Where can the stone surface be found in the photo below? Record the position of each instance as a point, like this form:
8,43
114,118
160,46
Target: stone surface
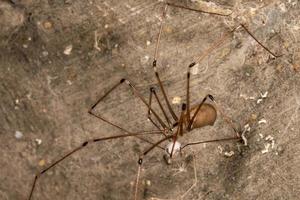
46,94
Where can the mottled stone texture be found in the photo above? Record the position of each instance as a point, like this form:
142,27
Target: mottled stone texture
46,94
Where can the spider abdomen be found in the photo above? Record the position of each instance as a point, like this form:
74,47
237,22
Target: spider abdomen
206,116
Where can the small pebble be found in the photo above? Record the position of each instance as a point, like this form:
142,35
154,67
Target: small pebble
148,182
42,162
145,59
47,25
266,150
148,42
229,154
68,49
45,53
69,82
259,101
253,117
176,100
38,141
264,95
18,134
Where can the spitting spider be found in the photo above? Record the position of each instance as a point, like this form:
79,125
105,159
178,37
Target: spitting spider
170,125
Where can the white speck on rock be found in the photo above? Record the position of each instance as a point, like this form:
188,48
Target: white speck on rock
68,49
262,121
282,7
229,154
45,53
176,100
38,141
145,59
272,140
266,150
195,69
264,95
259,101
148,182
220,149
247,127
69,82
18,134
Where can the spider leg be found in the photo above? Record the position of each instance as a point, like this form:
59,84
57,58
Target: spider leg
260,43
227,119
140,162
149,112
226,35
92,112
153,92
188,93
155,68
179,128
84,144
210,141
197,10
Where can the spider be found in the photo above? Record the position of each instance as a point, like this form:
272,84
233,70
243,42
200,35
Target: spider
171,125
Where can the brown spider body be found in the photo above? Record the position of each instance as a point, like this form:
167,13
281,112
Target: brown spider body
206,116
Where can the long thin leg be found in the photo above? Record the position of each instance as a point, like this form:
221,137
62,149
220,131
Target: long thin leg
188,92
91,111
152,91
196,10
223,39
137,93
263,46
155,68
84,144
209,141
227,119
215,45
179,128
140,162
149,112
